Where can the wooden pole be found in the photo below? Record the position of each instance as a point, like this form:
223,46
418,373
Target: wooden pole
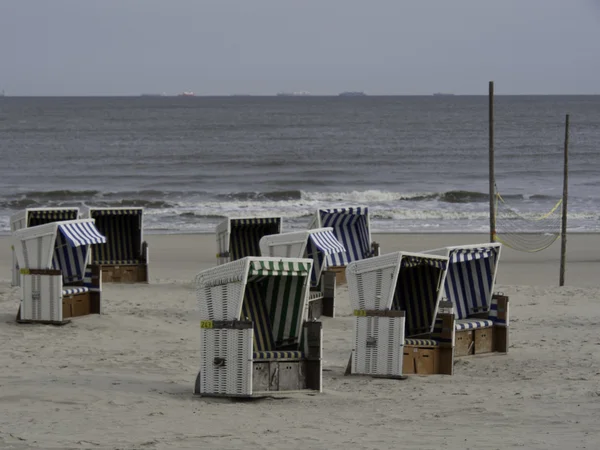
563,233
491,156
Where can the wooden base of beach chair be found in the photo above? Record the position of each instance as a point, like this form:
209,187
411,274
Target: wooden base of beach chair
481,340
41,322
501,339
129,273
278,376
340,274
81,304
426,360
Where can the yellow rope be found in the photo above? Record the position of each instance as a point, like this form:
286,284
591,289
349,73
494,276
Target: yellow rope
545,216
496,238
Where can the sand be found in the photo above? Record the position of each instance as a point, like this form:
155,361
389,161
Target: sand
123,380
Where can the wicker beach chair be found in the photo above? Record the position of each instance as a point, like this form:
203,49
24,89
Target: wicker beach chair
482,317
240,237
351,226
400,326
56,283
315,244
254,339
32,217
124,258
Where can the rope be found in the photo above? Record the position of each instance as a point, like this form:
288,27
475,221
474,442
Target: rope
528,233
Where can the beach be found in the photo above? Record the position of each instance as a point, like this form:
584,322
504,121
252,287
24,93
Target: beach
123,379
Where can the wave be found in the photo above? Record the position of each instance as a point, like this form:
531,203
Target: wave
227,202
62,194
263,196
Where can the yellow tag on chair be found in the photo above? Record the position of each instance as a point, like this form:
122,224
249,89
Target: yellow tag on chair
206,324
24,271
360,313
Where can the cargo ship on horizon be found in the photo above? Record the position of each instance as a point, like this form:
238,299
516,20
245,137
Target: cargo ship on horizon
352,94
293,94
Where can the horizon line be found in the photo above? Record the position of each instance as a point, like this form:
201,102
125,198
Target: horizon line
151,95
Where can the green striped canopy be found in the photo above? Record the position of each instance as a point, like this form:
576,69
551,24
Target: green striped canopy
278,268
280,288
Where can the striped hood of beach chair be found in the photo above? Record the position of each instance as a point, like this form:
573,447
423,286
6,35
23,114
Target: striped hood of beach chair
70,249
320,245
274,299
35,218
416,292
470,280
246,234
350,227
123,231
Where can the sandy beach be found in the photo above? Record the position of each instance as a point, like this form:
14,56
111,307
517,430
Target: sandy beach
123,380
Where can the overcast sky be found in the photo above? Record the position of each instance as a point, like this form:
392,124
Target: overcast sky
121,47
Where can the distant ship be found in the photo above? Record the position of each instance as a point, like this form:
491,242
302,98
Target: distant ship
442,94
293,94
352,94
187,94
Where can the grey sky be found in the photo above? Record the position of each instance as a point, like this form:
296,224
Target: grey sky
120,47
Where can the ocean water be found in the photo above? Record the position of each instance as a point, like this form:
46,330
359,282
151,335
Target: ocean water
419,163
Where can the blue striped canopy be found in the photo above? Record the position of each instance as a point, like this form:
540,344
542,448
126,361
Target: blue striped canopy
71,249
327,242
350,227
470,279
321,244
81,233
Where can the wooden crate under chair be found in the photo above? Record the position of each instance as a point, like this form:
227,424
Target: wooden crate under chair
432,354
487,339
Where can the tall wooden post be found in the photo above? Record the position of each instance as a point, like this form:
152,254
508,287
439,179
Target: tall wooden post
563,233
491,156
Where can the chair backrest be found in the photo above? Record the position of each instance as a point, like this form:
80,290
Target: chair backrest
417,292
470,280
254,308
71,261
123,230
41,216
246,234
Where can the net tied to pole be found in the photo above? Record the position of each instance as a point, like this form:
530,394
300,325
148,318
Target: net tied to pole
526,232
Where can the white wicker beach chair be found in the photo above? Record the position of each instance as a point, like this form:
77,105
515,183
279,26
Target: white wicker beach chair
482,317
240,237
396,303
351,226
125,256
56,283
315,244
31,217
254,339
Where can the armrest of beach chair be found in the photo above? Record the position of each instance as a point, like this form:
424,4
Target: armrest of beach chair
144,255
375,249
312,347
499,315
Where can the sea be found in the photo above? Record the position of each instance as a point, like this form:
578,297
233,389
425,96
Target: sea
420,163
